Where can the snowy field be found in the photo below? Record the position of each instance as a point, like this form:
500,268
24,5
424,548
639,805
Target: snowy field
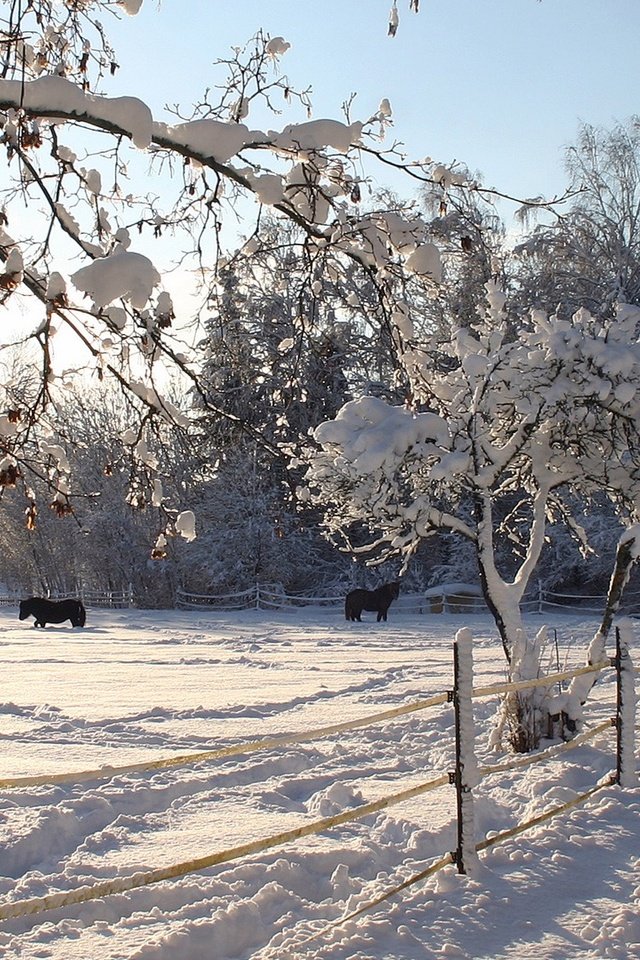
138,686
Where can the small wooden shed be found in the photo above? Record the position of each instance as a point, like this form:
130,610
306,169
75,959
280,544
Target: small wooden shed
455,598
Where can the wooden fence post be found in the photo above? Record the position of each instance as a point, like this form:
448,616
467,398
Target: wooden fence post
626,775
465,775
540,597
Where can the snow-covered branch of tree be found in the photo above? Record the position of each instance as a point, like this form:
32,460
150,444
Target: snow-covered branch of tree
310,180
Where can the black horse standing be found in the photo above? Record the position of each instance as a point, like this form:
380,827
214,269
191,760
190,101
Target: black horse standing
375,601
53,611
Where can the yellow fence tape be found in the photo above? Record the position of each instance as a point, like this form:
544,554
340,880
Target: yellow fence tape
450,859
549,753
547,815
52,901
20,908
547,681
429,871
206,756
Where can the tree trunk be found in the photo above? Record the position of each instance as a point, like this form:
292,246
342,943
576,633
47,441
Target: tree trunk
523,717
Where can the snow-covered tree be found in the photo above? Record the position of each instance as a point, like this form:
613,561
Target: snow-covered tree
249,534
590,255
85,262
274,352
87,238
105,544
510,428
276,355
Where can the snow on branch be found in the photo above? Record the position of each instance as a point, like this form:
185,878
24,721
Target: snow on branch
56,97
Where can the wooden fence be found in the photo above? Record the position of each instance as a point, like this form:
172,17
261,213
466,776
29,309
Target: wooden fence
465,777
91,598
272,597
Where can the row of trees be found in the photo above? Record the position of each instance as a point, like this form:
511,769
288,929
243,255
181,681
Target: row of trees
277,383
389,368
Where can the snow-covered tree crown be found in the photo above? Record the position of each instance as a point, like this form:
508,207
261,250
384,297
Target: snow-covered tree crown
501,415
91,247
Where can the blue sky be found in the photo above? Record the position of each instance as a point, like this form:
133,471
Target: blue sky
499,84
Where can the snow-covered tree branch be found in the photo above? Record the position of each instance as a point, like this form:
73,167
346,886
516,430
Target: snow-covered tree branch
95,249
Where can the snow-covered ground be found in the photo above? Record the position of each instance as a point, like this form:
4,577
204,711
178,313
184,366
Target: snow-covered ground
137,686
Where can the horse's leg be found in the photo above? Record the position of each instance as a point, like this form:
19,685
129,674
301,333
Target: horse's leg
352,611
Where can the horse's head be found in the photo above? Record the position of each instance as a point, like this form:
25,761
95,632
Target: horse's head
25,609
394,590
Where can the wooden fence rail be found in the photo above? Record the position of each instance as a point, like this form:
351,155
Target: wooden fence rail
265,597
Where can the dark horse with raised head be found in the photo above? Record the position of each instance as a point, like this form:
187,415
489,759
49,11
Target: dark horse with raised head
375,601
53,611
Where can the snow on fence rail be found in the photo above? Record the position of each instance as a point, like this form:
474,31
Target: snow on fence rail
263,597
260,597
466,776
100,598
542,601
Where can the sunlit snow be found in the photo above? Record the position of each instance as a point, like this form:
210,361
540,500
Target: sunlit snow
138,686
